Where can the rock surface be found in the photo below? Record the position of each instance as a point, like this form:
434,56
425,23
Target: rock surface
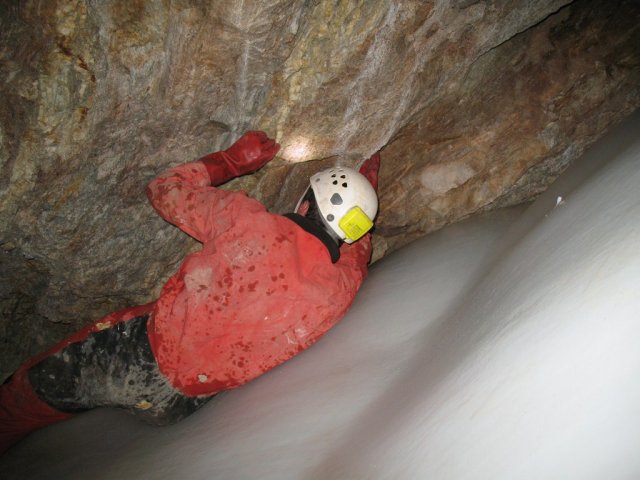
475,105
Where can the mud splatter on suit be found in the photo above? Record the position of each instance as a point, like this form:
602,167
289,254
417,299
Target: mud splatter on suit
261,290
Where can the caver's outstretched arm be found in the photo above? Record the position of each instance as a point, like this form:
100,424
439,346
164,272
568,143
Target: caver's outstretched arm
185,195
370,169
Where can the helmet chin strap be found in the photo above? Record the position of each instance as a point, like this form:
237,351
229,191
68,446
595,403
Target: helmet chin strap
321,222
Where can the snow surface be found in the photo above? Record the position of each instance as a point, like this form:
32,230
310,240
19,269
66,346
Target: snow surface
505,347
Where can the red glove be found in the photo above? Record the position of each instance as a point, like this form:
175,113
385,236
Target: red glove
250,152
370,170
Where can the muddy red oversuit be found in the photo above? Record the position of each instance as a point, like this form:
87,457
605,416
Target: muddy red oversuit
261,290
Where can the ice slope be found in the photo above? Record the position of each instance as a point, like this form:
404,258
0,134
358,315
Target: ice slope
506,347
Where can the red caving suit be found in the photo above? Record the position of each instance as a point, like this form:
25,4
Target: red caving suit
259,291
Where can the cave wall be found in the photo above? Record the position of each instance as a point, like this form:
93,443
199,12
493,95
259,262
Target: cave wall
475,105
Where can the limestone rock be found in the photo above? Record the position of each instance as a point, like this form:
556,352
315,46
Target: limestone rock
474,104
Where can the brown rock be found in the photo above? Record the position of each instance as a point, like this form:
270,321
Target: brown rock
475,105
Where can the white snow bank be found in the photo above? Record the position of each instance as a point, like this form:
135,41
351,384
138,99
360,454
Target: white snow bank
506,347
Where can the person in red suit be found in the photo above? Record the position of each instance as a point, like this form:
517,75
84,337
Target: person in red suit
263,288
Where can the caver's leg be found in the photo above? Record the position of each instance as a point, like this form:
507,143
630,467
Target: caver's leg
112,368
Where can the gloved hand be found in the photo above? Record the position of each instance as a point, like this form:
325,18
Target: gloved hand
252,151
370,170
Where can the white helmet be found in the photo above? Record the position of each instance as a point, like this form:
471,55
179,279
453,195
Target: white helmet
346,200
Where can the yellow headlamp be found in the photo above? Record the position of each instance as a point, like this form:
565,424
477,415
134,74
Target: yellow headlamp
355,223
